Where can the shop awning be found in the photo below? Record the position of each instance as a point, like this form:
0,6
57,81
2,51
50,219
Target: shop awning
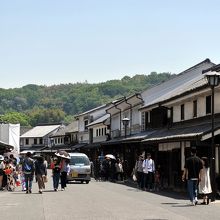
5,146
129,139
190,132
78,146
33,150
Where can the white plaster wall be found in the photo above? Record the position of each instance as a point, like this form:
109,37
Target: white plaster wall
169,146
31,142
188,108
115,123
176,113
85,138
98,113
99,127
99,139
136,116
81,124
217,102
201,107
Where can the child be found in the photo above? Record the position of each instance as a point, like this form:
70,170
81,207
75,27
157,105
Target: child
23,183
157,180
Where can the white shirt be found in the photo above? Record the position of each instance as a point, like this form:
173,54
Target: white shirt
148,166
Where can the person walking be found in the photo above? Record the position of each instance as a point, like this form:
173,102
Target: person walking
105,169
28,171
97,169
148,169
4,178
192,173
55,166
9,171
157,183
40,173
205,183
119,170
13,159
65,169
139,172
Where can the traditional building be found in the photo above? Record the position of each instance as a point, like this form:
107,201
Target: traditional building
37,138
179,113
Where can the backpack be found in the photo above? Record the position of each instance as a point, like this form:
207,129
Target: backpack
27,167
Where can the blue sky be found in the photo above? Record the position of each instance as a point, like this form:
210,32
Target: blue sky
48,42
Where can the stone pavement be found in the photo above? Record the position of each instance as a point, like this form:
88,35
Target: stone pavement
101,200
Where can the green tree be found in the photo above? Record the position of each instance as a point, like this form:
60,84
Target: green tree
39,116
54,103
16,118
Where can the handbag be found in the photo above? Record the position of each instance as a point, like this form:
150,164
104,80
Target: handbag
18,183
45,179
134,177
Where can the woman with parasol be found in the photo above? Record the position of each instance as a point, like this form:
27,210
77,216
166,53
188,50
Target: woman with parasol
64,167
56,167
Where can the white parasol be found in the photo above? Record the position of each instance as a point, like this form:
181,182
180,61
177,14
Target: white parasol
110,156
63,154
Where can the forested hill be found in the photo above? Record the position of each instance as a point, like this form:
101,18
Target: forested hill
34,104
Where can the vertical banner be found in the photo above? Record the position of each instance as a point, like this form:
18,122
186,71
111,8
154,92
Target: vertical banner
10,134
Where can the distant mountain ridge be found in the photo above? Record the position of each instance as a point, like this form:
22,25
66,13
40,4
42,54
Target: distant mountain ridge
71,99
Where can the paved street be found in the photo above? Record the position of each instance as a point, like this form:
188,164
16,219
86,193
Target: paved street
100,200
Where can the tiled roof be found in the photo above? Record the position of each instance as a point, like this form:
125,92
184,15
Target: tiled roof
177,85
202,81
33,149
214,68
133,138
40,131
100,107
99,120
60,132
4,145
177,133
72,127
91,110
24,129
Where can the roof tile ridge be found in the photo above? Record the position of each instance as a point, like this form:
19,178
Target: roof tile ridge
207,60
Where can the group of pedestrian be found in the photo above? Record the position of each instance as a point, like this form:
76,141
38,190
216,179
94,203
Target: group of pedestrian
146,174
108,169
60,169
197,174
8,173
31,167
12,173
